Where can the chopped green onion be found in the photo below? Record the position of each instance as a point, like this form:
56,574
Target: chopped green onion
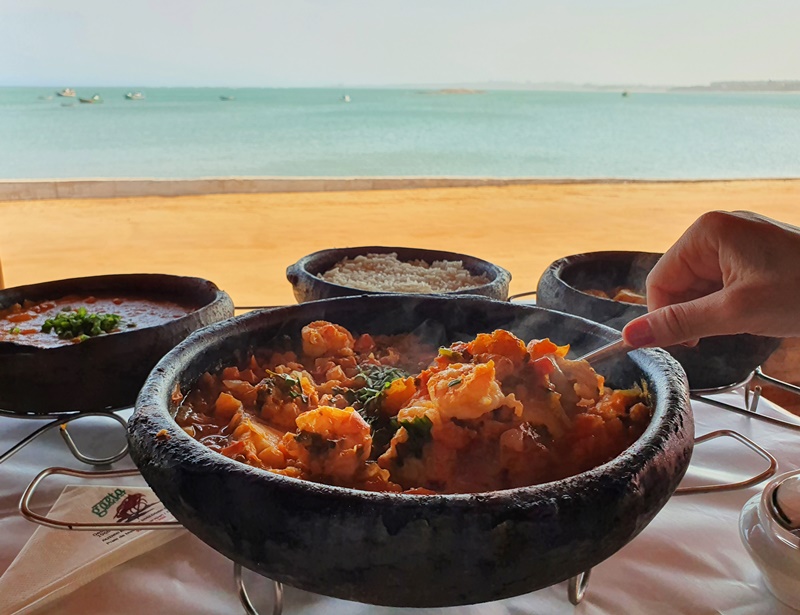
81,324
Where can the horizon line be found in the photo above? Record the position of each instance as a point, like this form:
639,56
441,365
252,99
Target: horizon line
499,84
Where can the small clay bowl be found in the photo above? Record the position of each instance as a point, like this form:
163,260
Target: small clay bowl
308,286
105,371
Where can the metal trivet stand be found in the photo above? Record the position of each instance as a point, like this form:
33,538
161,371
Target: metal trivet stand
26,511
576,586
62,420
752,397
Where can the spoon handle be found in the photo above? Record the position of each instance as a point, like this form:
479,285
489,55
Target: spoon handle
606,351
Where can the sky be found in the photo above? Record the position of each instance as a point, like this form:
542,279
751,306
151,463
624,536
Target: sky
307,43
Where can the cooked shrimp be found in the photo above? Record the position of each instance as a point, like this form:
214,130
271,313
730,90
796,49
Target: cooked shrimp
466,390
261,441
502,343
322,338
332,444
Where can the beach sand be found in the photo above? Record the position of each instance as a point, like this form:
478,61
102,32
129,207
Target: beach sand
244,242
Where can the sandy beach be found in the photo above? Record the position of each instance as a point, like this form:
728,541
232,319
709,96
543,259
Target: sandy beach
244,242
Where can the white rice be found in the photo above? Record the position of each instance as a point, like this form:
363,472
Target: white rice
385,273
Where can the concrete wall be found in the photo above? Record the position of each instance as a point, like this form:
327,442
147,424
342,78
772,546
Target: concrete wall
19,190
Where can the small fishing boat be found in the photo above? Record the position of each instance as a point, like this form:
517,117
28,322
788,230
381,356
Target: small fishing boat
134,96
226,98
67,92
94,99
625,94
346,98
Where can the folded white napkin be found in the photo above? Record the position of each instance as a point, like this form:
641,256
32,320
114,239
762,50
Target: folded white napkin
55,562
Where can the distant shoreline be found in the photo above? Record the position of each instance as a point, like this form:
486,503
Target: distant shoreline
103,188
743,86
764,86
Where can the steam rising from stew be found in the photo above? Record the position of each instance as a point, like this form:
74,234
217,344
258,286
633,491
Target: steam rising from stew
384,413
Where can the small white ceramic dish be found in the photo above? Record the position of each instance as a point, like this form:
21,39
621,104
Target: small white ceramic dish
769,526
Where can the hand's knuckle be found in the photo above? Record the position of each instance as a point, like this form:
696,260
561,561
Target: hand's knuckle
714,219
677,322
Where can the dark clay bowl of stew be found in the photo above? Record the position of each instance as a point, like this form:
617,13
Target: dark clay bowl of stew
308,285
601,285
401,549
87,344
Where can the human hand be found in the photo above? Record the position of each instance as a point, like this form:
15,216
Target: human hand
730,272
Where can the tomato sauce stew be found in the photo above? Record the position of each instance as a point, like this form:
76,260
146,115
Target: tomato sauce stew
73,319
394,414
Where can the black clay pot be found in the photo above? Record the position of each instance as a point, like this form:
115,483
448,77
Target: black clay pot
308,287
406,550
106,371
715,362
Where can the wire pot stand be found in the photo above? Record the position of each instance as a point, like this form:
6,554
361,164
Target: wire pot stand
62,420
576,586
752,396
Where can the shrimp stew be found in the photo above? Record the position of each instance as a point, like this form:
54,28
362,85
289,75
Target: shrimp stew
389,414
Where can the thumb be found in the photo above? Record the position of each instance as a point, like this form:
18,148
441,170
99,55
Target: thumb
678,323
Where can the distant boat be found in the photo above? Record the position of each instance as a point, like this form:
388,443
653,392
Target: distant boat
68,92
94,99
134,96
625,94
227,98
346,98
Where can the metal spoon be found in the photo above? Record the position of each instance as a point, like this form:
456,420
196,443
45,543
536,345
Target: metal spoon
608,350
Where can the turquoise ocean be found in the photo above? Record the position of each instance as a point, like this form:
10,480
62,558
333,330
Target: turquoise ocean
192,132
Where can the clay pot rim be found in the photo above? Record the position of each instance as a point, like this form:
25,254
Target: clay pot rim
153,406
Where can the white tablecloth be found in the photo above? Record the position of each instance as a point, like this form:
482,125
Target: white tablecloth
689,560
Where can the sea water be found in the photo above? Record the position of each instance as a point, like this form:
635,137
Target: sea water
192,132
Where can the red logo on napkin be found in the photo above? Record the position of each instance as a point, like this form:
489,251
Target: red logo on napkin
132,507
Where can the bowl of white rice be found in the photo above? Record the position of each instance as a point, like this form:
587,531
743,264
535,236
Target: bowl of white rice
371,270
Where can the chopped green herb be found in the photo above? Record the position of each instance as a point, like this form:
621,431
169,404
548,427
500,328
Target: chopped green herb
81,324
289,385
15,331
419,433
367,402
454,383
377,379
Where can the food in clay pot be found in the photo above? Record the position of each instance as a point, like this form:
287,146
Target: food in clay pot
384,546
390,413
